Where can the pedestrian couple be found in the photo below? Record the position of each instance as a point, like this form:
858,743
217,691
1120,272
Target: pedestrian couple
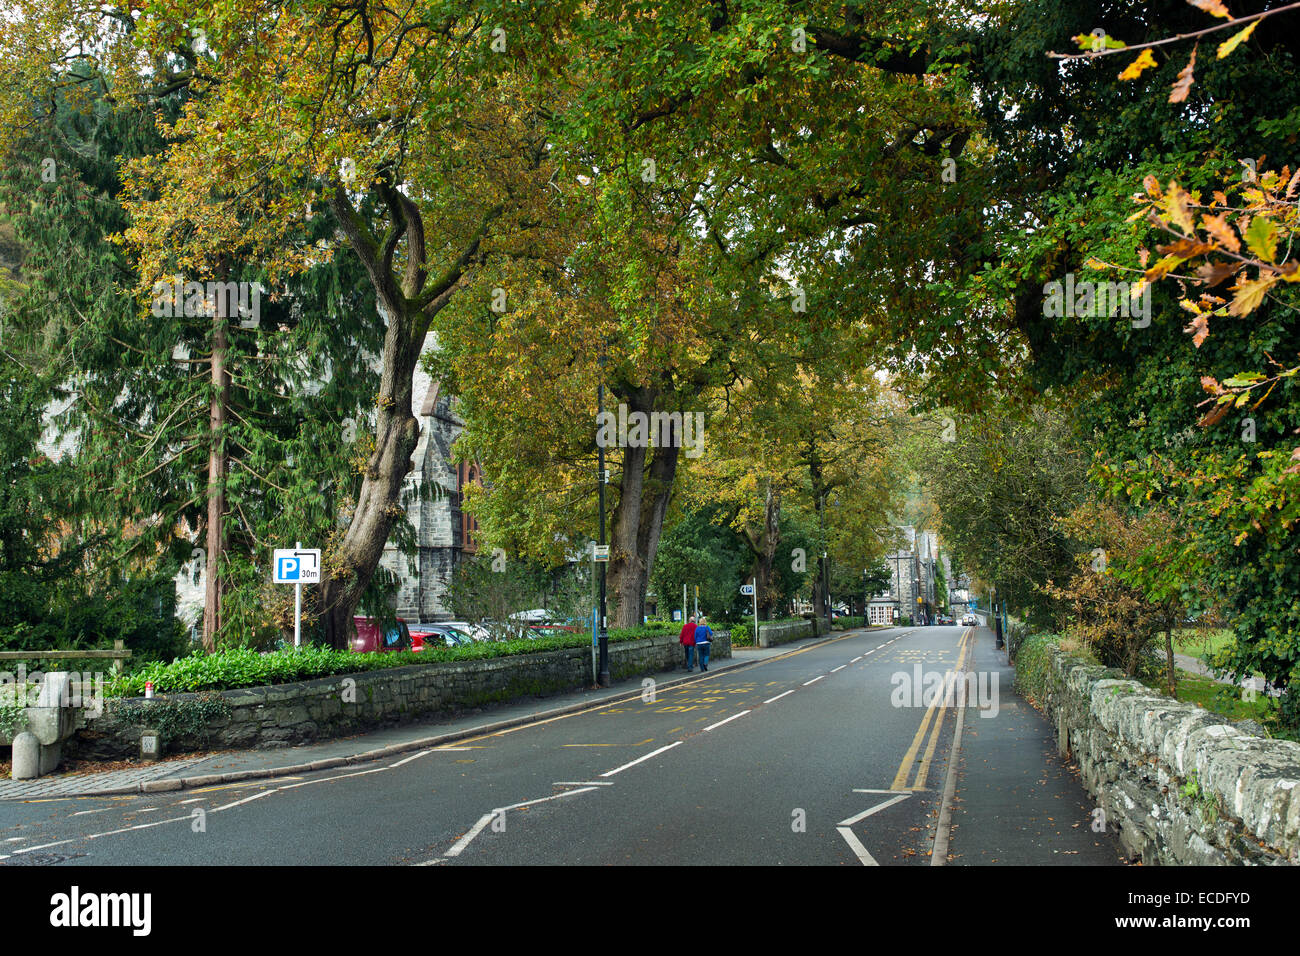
697,638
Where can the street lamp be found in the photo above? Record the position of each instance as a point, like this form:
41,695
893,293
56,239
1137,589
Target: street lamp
602,632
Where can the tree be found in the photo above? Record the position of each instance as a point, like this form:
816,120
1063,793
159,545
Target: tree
1001,485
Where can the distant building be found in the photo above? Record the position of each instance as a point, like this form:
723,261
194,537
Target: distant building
913,569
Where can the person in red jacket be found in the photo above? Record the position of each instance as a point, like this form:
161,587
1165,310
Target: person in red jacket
688,643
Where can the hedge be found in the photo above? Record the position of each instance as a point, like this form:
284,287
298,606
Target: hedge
240,667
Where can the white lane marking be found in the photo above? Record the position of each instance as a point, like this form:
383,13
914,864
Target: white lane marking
256,796
583,783
20,839
554,796
856,659
191,800
878,791
860,851
434,862
457,748
840,668
653,753
474,831
877,808
813,681
406,760
779,696
82,813
95,836
338,776
459,847
147,810
721,722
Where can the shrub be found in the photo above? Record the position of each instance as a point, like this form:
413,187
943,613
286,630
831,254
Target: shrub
242,667
1032,665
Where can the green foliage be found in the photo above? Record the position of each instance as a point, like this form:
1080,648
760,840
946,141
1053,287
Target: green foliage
12,716
176,719
701,550
1033,665
239,667
1003,483
489,588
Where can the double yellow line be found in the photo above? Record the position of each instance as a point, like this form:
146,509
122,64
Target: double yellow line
923,769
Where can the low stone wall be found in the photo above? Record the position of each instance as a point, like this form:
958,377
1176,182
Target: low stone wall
769,635
288,714
1179,784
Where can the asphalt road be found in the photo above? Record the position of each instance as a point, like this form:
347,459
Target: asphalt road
814,757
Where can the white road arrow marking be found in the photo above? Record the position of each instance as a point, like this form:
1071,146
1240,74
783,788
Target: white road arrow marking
844,826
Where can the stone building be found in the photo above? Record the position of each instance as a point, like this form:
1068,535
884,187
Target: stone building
434,494
912,572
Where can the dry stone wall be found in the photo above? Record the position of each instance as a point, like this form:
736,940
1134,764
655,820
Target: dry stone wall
1179,784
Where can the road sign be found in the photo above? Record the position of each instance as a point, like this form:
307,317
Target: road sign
297,566
747,589
600,552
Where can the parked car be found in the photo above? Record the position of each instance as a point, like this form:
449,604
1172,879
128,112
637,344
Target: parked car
969,621
440,635
397,637
476,631
547,630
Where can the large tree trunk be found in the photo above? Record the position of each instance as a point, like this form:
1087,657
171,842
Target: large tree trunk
638,520
771,538
216,532
763,546
408,302
352,565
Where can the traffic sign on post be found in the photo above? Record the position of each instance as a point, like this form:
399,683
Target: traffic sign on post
297,565
747,589
600,552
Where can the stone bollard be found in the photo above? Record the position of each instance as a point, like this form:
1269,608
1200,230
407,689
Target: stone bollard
26,757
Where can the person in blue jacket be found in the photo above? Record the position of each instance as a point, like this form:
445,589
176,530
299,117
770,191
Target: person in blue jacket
703,641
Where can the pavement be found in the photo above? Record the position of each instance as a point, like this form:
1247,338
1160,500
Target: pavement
232,766
1019,803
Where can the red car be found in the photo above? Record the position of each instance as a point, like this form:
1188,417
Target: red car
397,638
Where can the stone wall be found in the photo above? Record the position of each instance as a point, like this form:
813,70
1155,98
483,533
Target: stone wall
288,714
1179,784
769,635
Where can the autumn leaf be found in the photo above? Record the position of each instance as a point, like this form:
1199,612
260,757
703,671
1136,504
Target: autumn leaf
1210,385
1152,186
1212,273
1217,226
1227,46
1185,80
1178,209
1215,415
1213,7
1144,61
1200,327
1250,294
1261,237
1185,248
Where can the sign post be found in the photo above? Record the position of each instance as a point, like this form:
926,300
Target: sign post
752,589
297,566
